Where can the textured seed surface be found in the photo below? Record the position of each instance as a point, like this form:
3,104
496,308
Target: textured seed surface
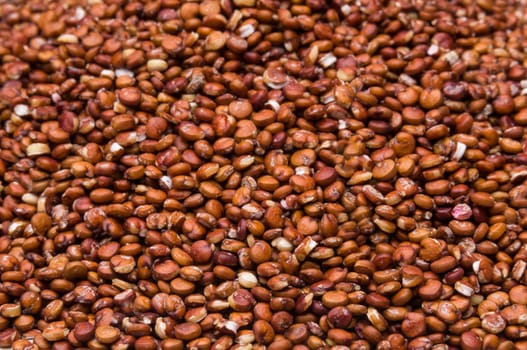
244,174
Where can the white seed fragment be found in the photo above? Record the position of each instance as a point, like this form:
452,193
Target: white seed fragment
488,109
16,227
459,151
475,266
67,39
21,110
463,288
79,13
302,170
275,106
30,198
158,65
160,328
246,30
432,50
345,9
345,74
55,97
122,71
514,89
282,244
327,60
451,57
115,147
108,73
407,80
328,97
247,279
304,248
166,182
37,149
246,339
